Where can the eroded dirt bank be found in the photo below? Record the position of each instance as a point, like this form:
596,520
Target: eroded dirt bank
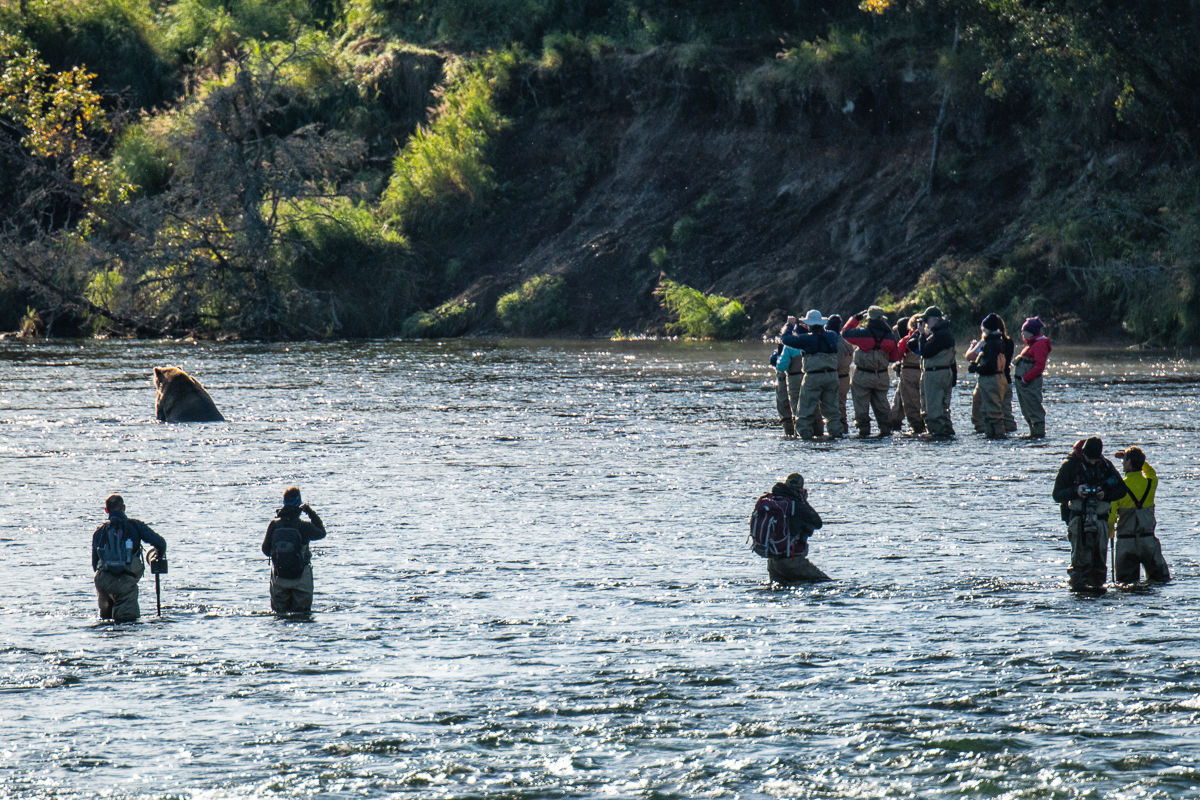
787,207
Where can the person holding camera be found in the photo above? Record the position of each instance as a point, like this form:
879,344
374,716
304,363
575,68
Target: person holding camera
939,372
1086,486
1136,544
818,350
907,403
780,528
876,348
987,359
286,544
117,561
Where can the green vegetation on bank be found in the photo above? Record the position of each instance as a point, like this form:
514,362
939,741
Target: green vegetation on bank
295,168
702,316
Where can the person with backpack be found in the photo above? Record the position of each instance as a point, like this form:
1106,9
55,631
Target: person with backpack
118,563
286,544
780,527
1085,487
877,347
1136,544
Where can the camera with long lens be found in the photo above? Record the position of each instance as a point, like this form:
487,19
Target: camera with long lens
158,566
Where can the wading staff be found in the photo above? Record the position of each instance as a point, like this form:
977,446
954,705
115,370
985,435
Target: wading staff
158,566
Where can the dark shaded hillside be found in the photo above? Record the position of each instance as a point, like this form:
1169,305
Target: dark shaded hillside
808,211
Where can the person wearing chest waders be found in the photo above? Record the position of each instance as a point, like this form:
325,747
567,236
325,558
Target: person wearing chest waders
987,359
939,373
1085,487
907,404
1028,368
780,527
845,359
818,349
789,373
1136,544
286,544
117,561
876,347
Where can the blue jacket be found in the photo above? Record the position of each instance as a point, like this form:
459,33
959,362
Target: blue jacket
811,342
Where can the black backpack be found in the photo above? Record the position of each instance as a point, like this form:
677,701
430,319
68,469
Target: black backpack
288,553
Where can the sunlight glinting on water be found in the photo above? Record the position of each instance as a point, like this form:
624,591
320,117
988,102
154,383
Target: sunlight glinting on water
536,584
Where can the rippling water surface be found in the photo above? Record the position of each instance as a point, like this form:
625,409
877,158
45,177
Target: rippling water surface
536,584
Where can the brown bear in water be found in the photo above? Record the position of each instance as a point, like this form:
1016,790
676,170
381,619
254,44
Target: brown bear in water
181,398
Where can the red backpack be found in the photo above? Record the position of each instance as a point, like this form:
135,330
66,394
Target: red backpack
769,534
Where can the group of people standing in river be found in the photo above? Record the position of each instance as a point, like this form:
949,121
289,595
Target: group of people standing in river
820,361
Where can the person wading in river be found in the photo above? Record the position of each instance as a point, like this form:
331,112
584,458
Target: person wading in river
846,353
1085,487
286,544
907,404
876,347
780,527
939,372
987,360
1136,544
818,390
1029,366
117,561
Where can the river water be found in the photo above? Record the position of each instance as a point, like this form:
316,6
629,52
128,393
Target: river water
536,584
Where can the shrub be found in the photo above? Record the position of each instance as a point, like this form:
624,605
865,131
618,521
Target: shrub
535,308
444,322
685,228
442,175
702,316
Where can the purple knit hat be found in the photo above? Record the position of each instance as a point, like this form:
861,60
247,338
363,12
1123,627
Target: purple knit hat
1032,326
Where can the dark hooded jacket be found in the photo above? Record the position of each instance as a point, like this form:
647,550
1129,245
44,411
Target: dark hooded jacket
940,337
804,519
1076,472
289,517
134,529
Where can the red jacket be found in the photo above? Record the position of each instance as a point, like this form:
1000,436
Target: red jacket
864,339
1039,351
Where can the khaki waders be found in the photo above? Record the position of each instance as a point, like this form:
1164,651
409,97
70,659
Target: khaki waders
117,595
818,396
1029,396
907,401
1138,547
937,384
987,405
292,595
869,383
798,569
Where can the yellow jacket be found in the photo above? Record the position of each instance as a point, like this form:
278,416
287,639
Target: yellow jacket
1136,483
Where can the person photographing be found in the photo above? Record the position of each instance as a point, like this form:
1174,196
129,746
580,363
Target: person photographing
1086,486
286,544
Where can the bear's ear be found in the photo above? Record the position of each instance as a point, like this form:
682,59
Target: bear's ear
158,372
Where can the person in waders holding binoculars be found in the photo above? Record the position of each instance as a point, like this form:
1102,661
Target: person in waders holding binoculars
1086,486
117,561
286,544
